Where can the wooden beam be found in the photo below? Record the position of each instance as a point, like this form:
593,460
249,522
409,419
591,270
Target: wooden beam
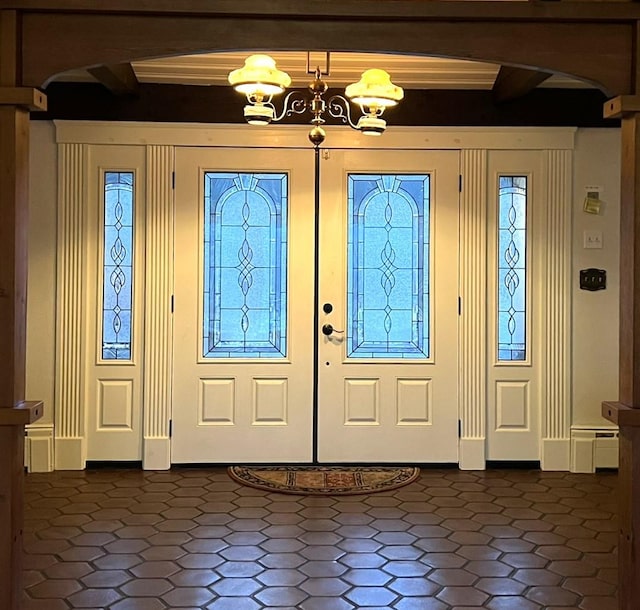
24,413
23,97
630,265
628,517
54,43
12,515
120,79
620,106
8,48
434,9
512,83
625,411
219,104
620,414
14,203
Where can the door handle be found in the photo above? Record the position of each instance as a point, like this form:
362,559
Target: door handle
328,329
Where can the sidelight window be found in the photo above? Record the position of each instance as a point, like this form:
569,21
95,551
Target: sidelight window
117,265
512,268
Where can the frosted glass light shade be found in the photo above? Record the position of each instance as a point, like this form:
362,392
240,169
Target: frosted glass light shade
375,89
259,76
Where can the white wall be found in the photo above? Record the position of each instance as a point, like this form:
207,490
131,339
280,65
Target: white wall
41,293
41,290
595,314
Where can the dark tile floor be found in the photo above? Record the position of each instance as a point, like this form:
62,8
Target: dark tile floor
193,538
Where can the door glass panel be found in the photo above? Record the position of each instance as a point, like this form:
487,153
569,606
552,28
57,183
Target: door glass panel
117,265
512,268
388,266
245,265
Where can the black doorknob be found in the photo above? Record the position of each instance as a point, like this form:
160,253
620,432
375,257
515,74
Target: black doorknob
328,329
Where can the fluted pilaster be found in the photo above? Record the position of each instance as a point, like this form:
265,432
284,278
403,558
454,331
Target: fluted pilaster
158,290
69,389
557,327
473,320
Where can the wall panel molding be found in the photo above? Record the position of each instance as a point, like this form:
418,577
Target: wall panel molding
473,320
295,136
158,317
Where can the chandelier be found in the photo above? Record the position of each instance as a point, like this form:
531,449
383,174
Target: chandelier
260,80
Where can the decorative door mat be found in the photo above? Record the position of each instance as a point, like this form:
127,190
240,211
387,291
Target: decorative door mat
324,480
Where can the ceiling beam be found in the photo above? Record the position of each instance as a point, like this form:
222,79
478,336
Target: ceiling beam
437,107
512,83
120,79
57,42
612,10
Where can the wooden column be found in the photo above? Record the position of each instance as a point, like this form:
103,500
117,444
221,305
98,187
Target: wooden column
12,423
15,103
626,411
14,415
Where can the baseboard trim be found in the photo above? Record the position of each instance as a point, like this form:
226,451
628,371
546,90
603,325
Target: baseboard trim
556,454
157,454
38,448
514,464
472,454
117,465
69,453
593,448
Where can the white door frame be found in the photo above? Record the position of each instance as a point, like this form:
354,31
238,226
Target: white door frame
74,139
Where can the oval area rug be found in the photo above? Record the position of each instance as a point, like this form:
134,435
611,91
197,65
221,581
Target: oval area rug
324,480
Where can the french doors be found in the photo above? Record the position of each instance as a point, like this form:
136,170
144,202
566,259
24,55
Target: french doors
387,385
256,379
243,306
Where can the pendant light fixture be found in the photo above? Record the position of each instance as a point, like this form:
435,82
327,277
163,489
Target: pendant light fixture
260,80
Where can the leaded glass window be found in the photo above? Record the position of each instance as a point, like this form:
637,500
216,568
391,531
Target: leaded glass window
388,266
245,265
512,268
117,265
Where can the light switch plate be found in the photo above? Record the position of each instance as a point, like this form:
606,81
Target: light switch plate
592,239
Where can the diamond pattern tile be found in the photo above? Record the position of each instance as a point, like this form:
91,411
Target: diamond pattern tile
192,538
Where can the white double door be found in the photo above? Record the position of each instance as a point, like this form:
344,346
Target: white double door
256,377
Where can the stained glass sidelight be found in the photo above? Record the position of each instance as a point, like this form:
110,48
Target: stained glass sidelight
245,265
512,268
388,266
117,265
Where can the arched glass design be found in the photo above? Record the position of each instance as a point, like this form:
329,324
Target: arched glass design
512,268
117,265
245,265
388,309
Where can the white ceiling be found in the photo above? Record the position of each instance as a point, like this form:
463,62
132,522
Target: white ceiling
410,72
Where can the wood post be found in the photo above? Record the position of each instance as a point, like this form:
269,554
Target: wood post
15,103
12,423
14,131
626,411
14,159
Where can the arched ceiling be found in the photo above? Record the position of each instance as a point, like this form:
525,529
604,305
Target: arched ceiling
410,72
